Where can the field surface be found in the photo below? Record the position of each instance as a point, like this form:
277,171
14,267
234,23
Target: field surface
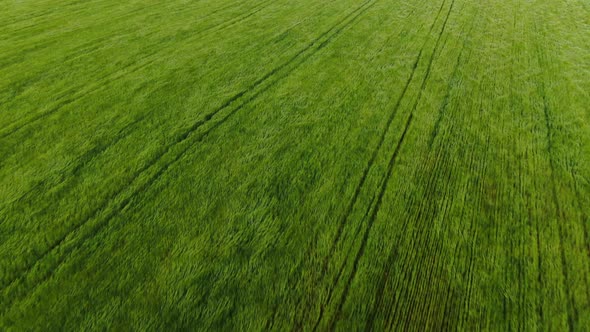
280,164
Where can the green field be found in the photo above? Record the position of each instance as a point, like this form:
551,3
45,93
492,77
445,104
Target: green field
294,164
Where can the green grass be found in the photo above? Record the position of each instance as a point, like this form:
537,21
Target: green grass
275,164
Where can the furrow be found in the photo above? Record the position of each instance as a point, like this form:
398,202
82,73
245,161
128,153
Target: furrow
100,150
377,148
584,222
391,162
559,214
452,80
369,324
120,18
341,270
371,222
394,156
71,175
150,58
539,274
297,60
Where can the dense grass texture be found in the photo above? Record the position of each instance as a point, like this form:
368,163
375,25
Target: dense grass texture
309,165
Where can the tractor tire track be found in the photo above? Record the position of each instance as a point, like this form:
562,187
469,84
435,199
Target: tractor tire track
584,221
358,189
196,125
296,273
376,150
389,172
370,223
67,175
340,272
454,75
430,183
69,178
344,218
40,46
369,324
432,178
241,18
571,312
121,73
112,77
97,151
110,21
313,47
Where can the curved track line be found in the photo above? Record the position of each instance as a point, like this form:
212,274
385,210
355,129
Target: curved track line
388,174
298,59
95,151
371,221
382,283
121,73
367,169
376,150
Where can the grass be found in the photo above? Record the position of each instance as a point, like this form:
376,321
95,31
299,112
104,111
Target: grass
274,164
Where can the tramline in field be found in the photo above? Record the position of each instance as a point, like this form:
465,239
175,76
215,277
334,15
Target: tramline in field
310,165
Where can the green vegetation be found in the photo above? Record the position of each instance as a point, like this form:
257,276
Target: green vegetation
278,164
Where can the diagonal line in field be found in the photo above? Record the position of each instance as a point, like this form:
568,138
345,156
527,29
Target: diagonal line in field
89,155
559,213
376,150
388,175
348,211
121,73
289,66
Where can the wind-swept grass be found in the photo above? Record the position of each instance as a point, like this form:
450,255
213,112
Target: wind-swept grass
273,164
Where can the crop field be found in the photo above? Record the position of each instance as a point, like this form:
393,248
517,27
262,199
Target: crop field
294,165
